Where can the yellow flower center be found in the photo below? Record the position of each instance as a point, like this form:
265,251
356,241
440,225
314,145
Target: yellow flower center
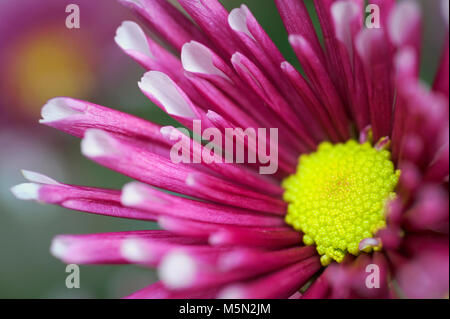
338,197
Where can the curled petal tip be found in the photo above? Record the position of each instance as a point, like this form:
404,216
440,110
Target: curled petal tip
130,37
197,58
38,178
237,20
58,108
97,143
166,93
26,191
367,244
135,193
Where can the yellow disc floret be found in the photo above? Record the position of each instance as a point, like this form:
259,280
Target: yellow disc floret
338,196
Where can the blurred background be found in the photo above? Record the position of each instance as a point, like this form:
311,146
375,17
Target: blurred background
40,58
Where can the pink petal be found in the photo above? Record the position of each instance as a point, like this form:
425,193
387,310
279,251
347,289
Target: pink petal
278,285
157,202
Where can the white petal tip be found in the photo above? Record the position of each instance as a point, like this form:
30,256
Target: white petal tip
97,143
232,292
58,248
133,2
237,20
134,251
166,131
445,10
166,93
190,180
26,191
296,39
197,58
367,243
57,109
177,270
133,194
131,37
216,239
38,178
402,16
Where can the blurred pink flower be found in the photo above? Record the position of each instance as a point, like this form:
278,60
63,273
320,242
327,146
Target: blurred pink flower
229,238
44,58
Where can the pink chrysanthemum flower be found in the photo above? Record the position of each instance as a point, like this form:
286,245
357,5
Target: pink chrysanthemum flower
370,191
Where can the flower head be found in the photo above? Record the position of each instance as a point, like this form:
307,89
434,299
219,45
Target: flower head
362,174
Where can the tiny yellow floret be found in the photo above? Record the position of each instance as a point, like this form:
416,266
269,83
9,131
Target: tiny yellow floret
338,195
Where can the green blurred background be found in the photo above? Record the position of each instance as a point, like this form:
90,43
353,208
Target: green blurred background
107,77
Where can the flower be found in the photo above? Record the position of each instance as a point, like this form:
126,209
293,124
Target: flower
45,58
370,189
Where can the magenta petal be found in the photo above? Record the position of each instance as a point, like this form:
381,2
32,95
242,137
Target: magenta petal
319,289
101,248
86,199
431,210
375,52
297,20
234,172
167,21
75,117
246,259
185,270
316,107
211,16
255,238
152,200
150,252
158,171
441,83
425,276
280,284
254,77
159,291
225,234
405,26
321,83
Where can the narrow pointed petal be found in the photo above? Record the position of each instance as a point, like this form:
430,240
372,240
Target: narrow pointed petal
405,25
166,21
211,16
159,291
150,252
430,212
297,20
441,82
75,117
246,259
103,248
283,236
306,93
150,199
85,199
280,284
150,168
186,271
321,82
254,77
375,52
